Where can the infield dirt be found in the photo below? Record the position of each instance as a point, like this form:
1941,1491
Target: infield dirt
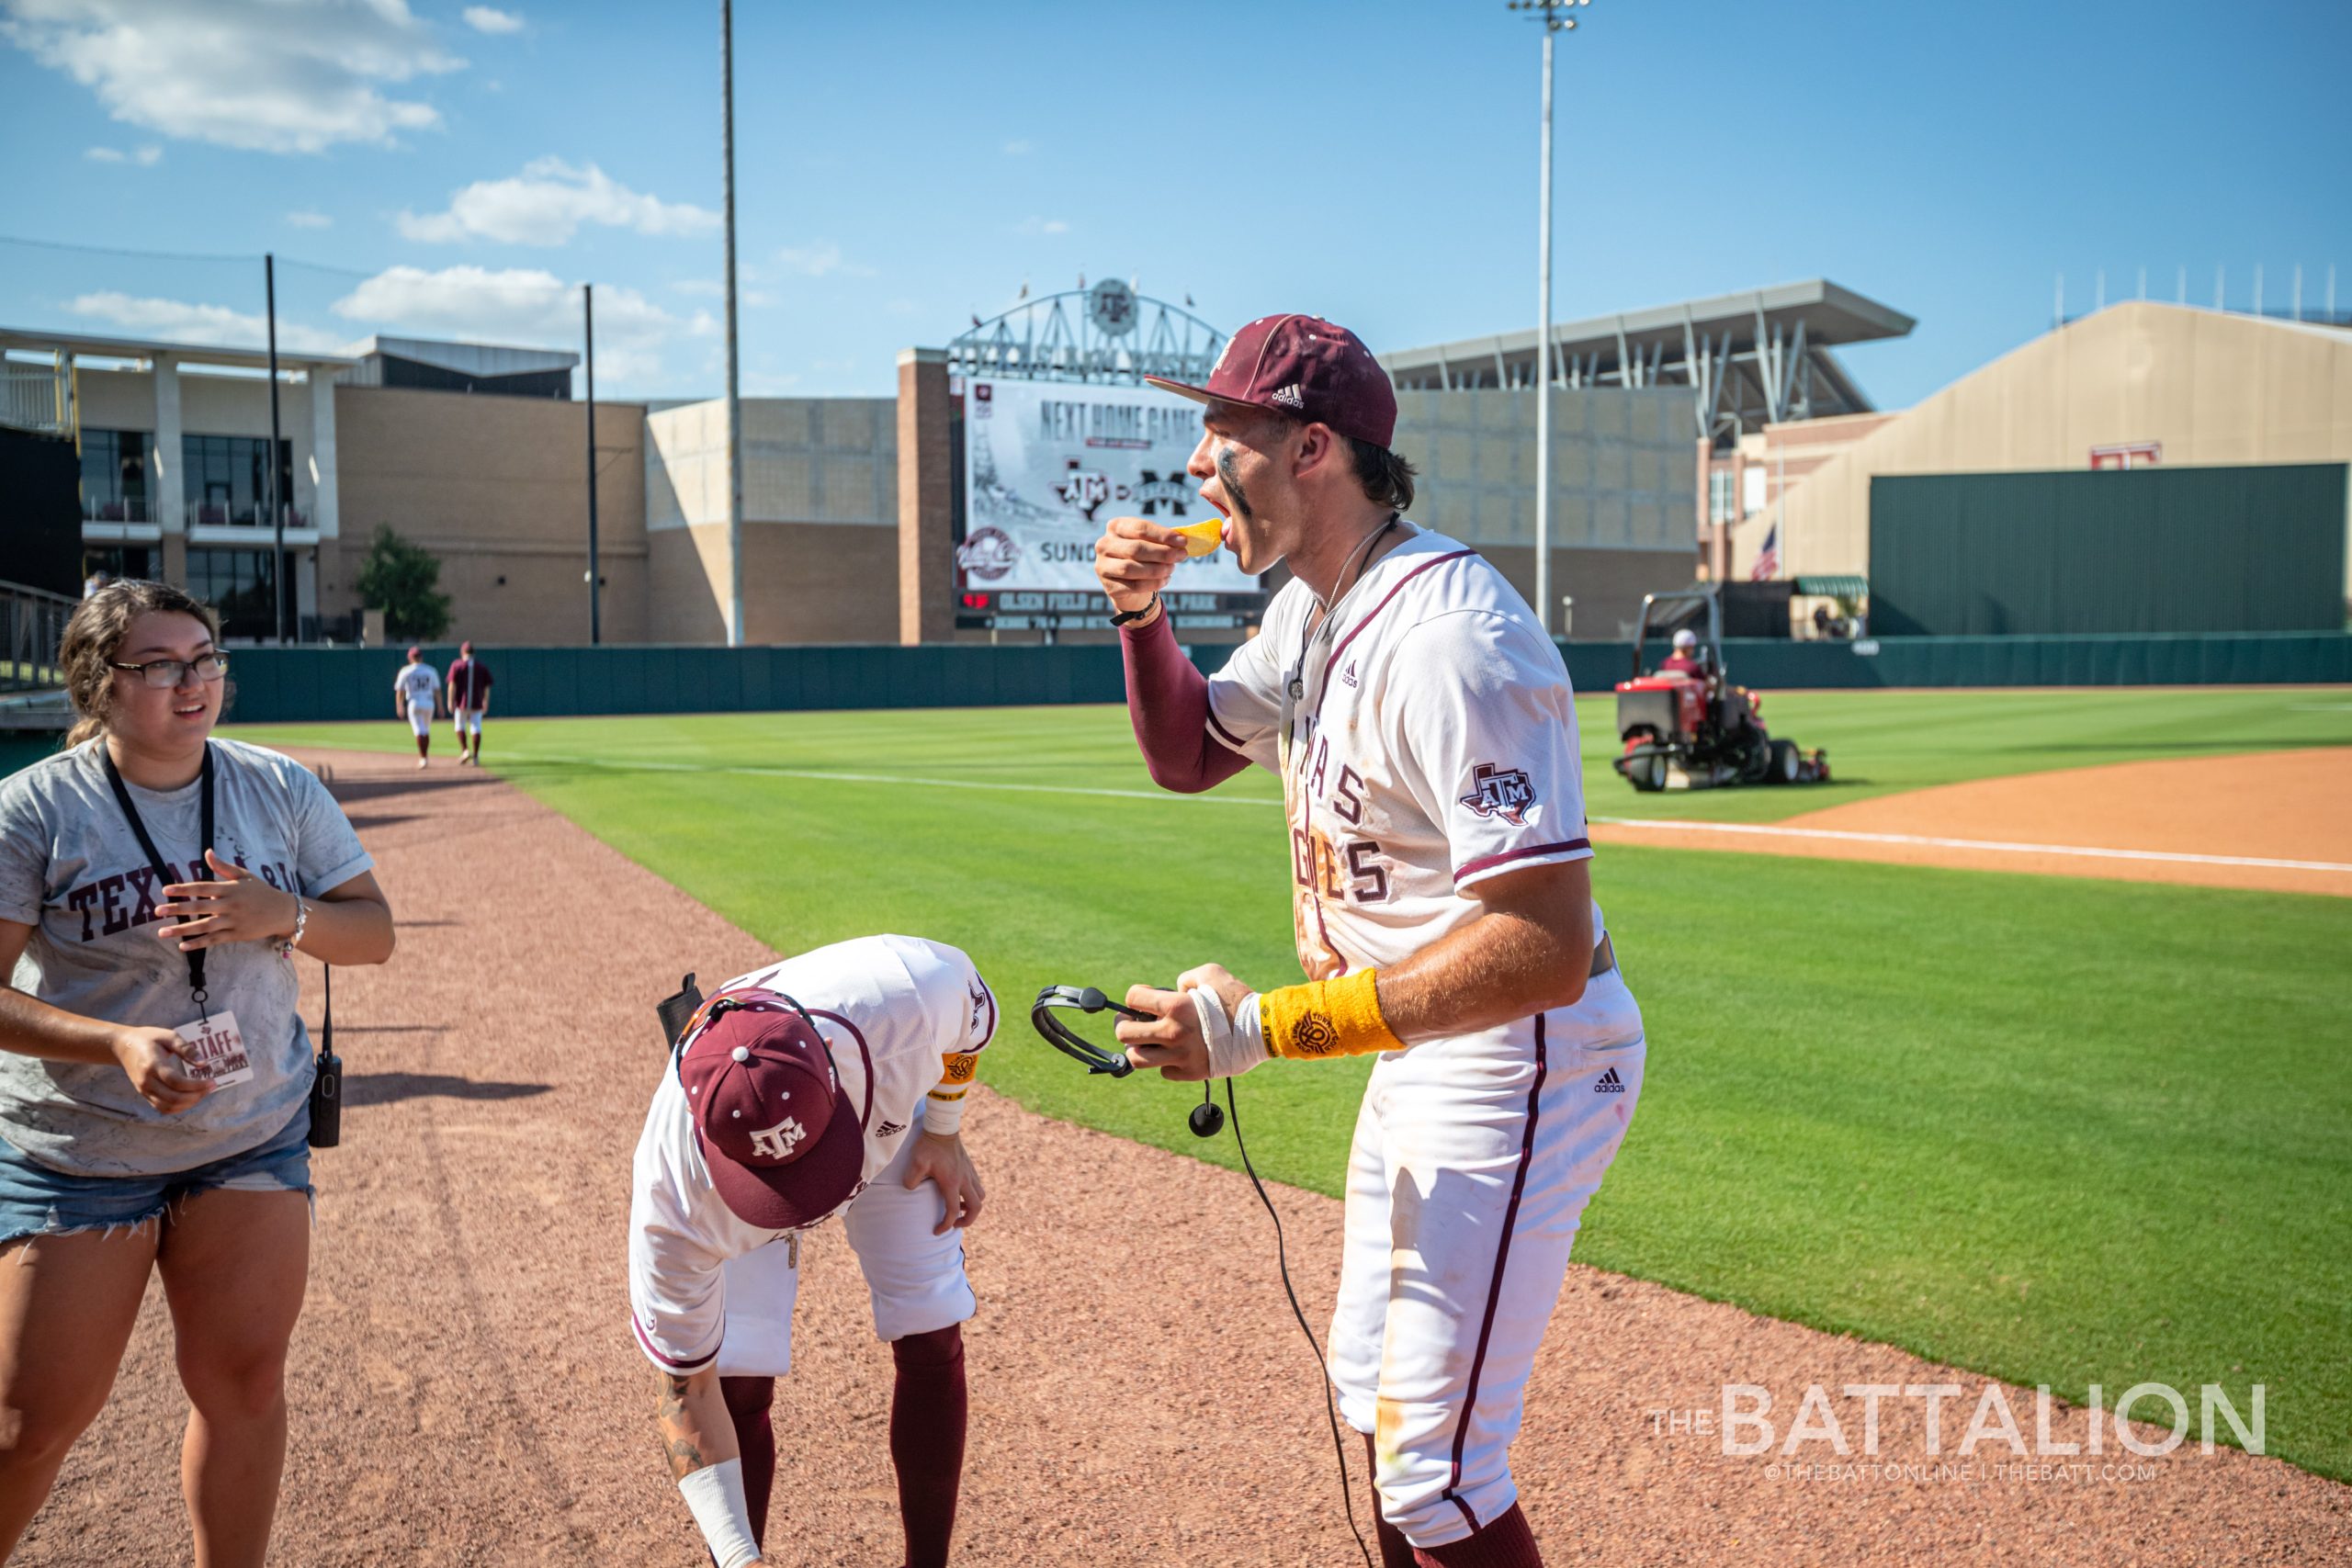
2207,821
465,1389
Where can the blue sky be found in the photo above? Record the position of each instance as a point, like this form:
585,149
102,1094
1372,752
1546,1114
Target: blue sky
902,168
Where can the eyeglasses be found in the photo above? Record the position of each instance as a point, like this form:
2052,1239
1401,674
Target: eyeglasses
162,673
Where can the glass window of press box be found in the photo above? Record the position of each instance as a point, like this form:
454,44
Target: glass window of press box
224,480
114,476
240,584
116,562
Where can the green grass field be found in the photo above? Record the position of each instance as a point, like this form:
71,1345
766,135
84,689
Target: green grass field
2057,1131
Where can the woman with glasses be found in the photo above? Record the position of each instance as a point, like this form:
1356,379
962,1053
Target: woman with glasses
155,884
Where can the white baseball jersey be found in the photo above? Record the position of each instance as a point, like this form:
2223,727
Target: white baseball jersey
891,1009
417,684
1433,744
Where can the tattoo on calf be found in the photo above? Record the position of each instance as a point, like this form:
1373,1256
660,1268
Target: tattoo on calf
682,1451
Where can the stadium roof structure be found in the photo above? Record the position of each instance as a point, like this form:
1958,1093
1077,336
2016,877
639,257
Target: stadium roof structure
86,346
1750,359
1109,333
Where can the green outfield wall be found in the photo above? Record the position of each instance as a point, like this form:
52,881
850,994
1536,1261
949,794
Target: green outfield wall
2142,551
306,684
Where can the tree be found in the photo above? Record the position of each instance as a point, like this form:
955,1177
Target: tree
398,579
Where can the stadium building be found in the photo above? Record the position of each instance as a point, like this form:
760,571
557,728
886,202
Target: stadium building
1721,437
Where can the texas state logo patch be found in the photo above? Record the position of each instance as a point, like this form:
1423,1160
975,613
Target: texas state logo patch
1500,792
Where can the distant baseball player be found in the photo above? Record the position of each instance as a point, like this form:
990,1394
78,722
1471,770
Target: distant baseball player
416,692
468,687
793,1096
1422,726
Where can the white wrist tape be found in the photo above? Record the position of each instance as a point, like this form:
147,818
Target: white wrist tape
1236,1043
714,1496
942,1116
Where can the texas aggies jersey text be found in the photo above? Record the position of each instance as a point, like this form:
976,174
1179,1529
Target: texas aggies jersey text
1432,744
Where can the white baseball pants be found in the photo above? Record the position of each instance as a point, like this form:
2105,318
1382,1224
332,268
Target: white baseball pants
1473,1161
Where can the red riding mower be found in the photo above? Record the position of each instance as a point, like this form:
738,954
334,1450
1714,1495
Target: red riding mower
1688,727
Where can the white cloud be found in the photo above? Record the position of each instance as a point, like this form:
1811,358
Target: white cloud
524,305
145,157
180,321
266,75
307,219
1042,226
1022,148
149,156
114,155
484,20
546,203
819,258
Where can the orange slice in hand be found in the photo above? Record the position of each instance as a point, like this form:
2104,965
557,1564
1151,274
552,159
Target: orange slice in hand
1202,538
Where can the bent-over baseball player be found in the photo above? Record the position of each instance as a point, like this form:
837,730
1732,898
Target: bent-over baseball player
1422,725
793,1096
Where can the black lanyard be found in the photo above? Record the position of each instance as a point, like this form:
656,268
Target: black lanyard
198,872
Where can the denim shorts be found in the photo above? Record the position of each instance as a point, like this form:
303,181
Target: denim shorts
37,1201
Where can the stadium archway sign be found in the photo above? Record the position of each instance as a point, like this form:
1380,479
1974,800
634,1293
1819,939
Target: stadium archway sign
1059,434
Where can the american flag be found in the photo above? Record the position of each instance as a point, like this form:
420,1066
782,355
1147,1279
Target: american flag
1767,559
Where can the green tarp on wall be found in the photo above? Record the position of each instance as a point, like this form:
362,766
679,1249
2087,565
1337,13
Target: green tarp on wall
2145,550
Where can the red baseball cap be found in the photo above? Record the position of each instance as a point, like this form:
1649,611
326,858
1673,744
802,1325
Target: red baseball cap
1306,367
783,1148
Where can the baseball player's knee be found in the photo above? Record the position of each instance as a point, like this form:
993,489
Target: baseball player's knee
747,1397
939,1348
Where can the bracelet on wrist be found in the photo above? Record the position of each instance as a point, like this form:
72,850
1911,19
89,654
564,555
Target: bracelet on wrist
302,923
1136,618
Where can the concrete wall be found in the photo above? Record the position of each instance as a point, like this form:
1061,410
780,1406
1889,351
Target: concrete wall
2215,388
821,479
497,488
1624,489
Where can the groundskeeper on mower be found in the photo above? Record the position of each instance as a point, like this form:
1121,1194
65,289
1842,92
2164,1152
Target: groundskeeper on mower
1685,726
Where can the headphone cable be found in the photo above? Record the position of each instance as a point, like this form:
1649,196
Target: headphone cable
1282,1261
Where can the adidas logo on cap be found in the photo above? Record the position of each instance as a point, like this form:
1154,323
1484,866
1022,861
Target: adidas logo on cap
1609,1083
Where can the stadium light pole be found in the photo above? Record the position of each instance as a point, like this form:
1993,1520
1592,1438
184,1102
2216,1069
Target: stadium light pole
276,501
1557,16
595,587
734,397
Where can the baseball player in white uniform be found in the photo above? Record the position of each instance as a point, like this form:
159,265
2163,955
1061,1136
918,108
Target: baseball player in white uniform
416,691
1422,726
792,1095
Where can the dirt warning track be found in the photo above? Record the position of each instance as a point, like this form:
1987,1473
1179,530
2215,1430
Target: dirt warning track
465,1391
2274,820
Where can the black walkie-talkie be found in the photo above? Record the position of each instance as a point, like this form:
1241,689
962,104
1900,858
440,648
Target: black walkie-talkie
326,1087
677,1010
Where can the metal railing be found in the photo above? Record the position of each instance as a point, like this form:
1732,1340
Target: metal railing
32,624
118,508
36,397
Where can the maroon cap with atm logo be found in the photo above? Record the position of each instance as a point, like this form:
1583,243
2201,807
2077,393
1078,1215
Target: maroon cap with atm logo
1305,367
783,1148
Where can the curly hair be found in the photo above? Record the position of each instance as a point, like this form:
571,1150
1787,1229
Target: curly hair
93,636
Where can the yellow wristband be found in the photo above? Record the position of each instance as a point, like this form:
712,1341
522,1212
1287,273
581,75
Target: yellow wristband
1327,1017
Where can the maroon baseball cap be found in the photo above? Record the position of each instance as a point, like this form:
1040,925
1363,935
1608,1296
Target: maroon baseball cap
783,1148
1306,367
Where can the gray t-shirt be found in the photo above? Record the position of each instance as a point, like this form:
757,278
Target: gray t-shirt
72,868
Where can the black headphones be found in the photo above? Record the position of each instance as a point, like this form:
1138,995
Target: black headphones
1207,1118
677,1011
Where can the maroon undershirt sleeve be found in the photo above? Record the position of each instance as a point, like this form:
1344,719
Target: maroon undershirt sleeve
1168,701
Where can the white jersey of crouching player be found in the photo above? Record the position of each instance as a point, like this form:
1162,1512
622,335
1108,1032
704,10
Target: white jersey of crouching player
716,1218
